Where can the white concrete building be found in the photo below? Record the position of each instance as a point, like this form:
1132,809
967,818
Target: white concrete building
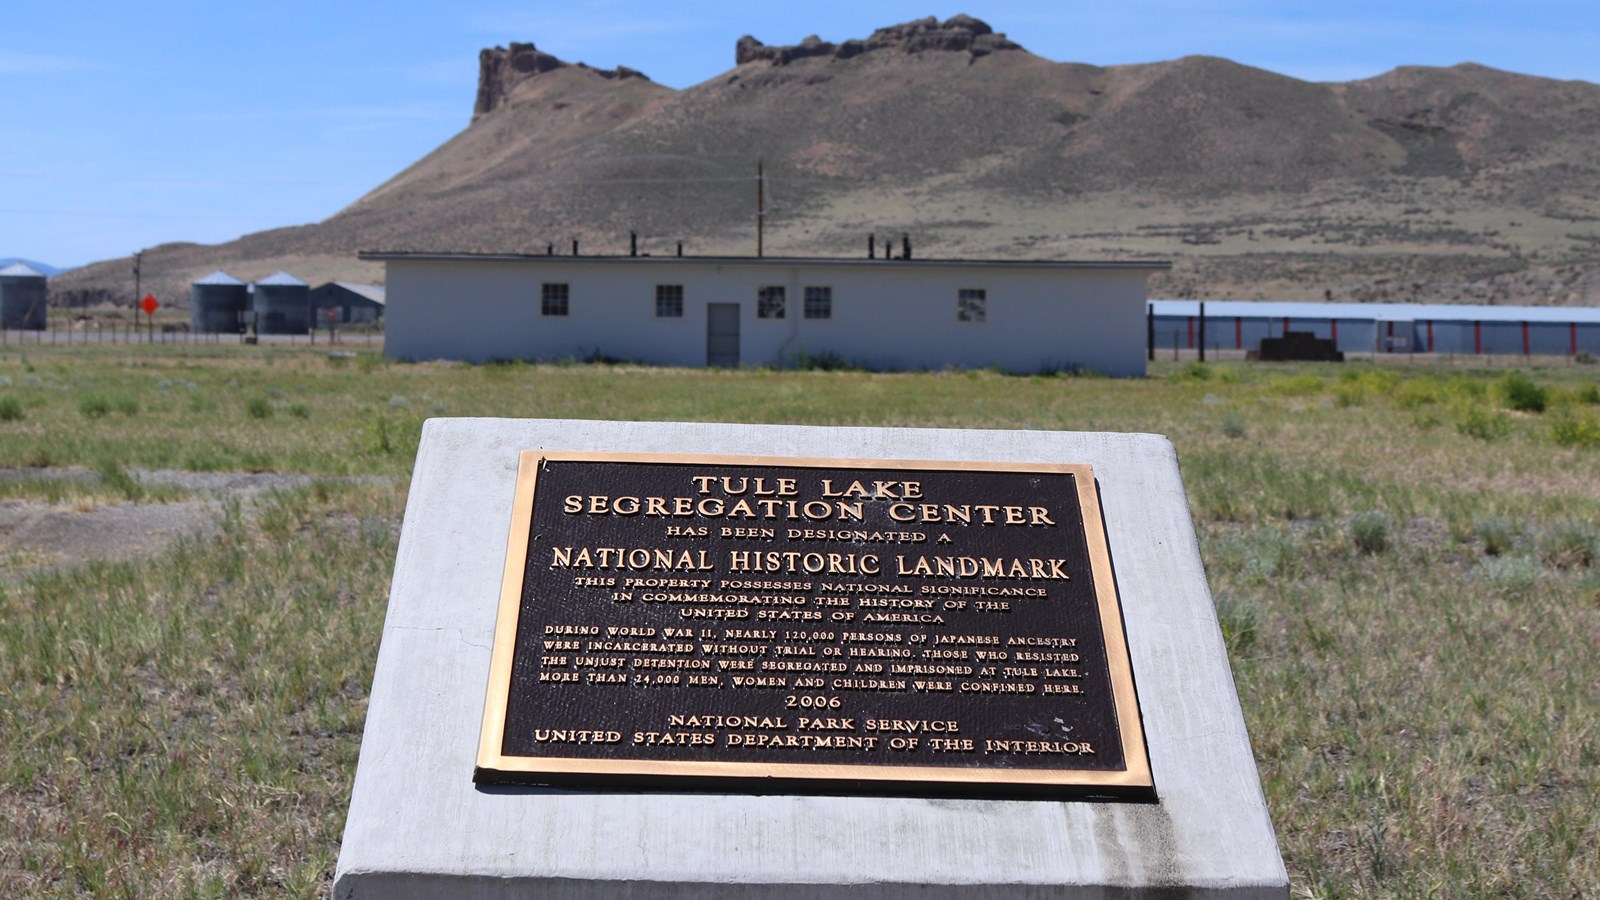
693,311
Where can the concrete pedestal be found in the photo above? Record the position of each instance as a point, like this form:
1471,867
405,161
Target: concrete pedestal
419,828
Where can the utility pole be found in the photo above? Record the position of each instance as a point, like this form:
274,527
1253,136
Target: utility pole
138,258
761,207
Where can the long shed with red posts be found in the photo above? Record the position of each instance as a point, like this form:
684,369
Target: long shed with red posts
1379,327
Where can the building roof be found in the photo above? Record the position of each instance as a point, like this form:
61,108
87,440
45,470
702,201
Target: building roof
21,270
220,277
374,292
426,256
281,279
1399,312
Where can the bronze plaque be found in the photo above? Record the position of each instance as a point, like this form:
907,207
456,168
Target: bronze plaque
810,625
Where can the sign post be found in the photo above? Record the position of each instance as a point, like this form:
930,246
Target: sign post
149,304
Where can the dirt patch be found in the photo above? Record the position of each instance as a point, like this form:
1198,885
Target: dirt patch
39,535
36,535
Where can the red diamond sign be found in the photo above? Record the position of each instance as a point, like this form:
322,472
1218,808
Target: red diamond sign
149,304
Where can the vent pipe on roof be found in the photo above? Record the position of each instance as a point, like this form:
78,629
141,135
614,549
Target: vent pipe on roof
680,248
550,249
872,246
574,246
905,246
633,243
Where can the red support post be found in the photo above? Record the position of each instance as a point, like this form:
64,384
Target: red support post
1238,333
1525,339
1191,332
1477,338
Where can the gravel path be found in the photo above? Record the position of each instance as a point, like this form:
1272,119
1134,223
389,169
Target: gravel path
36,535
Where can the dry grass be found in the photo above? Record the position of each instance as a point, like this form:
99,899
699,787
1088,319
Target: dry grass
1412,610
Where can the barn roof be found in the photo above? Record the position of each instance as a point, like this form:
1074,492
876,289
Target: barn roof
220,277
21,270
374,292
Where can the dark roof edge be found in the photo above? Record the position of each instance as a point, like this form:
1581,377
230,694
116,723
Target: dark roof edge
387,255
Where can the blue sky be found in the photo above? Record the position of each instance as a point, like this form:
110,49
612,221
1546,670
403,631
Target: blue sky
125,125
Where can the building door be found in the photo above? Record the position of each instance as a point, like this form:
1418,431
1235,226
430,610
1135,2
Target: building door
722,334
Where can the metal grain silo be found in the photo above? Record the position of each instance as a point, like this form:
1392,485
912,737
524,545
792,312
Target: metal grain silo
282,305
23,298
216,303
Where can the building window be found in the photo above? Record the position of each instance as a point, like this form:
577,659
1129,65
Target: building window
553,299
769,302
669,301
819,303
972,305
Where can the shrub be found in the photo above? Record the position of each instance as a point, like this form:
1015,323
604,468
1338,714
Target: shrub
10,409
1418,392
1484,424
1494,532
1511,575
1574,431
1369,531
93,405
300,411
1589,393
1376,381
1467,387
1423,419
1571,545
827,361
259,408
1304,385
1522,394
1233,426
1349,393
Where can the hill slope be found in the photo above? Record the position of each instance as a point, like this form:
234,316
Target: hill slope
1459,184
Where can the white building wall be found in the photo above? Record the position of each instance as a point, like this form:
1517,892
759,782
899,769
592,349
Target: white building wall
888,315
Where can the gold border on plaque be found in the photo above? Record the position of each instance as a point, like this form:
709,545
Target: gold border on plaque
1125,702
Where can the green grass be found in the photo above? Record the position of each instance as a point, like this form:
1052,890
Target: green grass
1411,607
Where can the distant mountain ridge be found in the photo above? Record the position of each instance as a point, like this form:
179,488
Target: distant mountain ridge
1460,184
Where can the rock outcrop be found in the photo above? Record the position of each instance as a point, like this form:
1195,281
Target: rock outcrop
957,34
501,68
1422,184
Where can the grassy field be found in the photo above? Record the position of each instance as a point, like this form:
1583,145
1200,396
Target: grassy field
1406,564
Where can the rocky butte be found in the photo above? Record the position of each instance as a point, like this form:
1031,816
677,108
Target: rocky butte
1458,184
